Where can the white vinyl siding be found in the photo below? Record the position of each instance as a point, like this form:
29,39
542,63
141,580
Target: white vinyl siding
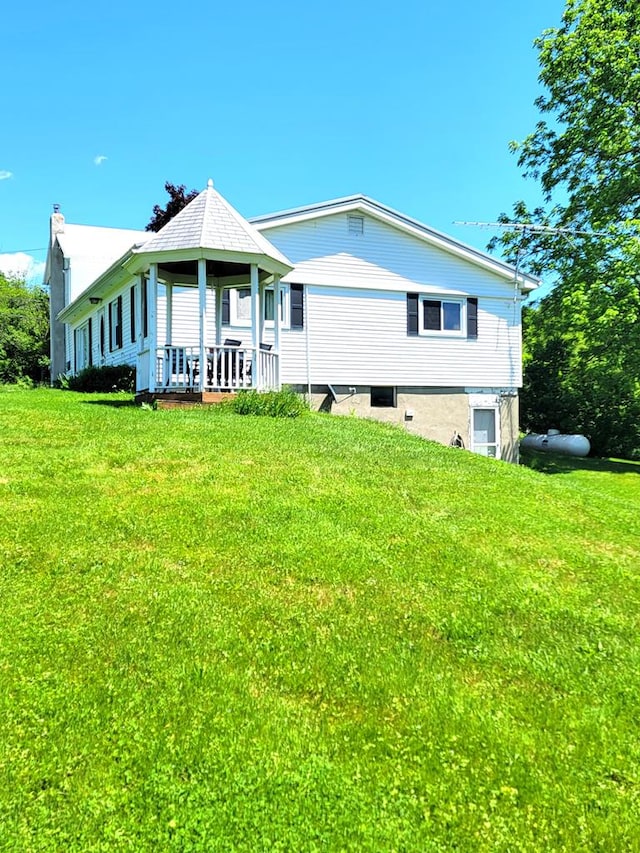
383,257
360,337
357,322
355,319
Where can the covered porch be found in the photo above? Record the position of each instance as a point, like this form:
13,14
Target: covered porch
228,368
209,248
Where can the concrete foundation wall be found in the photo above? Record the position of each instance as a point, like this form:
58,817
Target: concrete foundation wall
433,413
510,428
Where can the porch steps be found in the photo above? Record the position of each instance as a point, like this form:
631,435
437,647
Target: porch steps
182,400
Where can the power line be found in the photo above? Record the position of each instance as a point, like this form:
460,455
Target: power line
25,251
535,228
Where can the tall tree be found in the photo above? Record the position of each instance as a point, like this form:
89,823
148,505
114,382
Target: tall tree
24,331
582,344
178,198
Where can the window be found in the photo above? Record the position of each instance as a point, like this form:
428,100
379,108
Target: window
240,306
484,432
82,347
115,324
442,315
242,313
383,397
448,316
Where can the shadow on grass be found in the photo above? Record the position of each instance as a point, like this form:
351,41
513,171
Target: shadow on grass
555,463
115,404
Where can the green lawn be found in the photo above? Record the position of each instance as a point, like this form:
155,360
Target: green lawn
237,633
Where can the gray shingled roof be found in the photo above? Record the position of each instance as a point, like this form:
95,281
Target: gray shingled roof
210,222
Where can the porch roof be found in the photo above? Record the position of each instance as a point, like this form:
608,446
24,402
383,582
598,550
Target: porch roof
212,228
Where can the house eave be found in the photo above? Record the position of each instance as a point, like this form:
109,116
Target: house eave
395,219
140,260
97,290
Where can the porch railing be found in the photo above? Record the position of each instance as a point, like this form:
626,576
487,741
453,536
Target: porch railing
227,368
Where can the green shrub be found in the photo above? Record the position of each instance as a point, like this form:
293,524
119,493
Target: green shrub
116,377
273,404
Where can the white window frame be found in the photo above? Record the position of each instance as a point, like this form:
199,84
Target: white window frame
113,326
441,332
245,322
477,445
81,343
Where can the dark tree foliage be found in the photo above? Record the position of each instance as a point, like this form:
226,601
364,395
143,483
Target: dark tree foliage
178,198
24,331
582,342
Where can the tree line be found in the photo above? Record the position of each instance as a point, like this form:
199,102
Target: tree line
582,341
24,331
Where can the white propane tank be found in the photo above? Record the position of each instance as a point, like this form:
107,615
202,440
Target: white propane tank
555,442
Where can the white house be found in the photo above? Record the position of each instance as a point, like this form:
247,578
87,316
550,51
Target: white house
362,308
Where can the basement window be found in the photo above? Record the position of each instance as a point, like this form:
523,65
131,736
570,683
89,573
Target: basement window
383,397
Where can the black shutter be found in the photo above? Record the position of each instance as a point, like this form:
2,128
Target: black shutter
432,321
226,311
90,342
145,309
296,294
412,313
119,324
102,335
472,317
132,313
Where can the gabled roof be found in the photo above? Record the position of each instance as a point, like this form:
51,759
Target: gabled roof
364,204
209,222
91,250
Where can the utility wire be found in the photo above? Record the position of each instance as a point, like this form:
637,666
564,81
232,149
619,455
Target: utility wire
18,251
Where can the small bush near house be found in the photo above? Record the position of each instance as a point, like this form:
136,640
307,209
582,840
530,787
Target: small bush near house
117,377
273,404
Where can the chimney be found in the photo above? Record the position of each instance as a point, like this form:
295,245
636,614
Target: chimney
57,222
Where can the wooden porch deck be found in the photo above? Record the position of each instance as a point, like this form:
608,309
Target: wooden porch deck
183,399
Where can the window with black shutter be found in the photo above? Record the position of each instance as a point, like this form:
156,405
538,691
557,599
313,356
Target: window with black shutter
296,299
115,324
447,316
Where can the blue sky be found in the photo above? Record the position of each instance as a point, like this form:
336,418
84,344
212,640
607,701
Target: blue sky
282,104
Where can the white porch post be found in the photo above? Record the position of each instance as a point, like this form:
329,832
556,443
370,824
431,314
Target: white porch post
219,293
169,315
142,282
261,289
276,328
255,324
202,293
152,309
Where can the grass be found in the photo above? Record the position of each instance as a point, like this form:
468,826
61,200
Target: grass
224,632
